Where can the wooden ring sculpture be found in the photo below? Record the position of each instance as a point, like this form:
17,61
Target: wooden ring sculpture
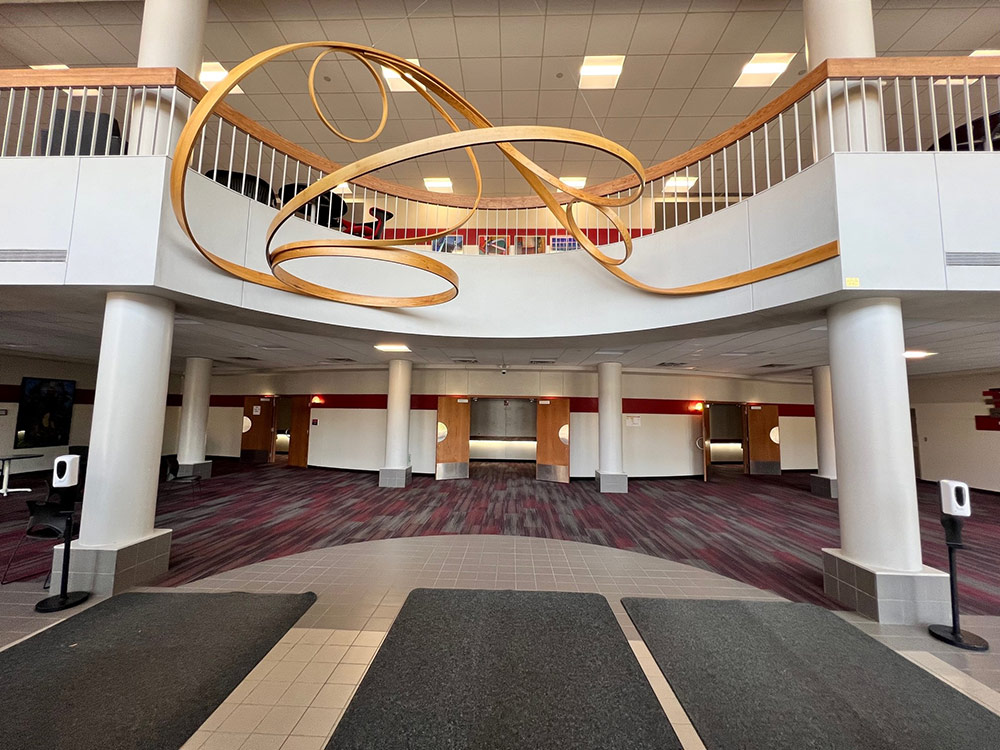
483,133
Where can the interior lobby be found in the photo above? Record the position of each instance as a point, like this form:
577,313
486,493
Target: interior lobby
500,374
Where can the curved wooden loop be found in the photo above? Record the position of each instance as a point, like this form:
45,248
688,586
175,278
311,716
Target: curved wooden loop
439,95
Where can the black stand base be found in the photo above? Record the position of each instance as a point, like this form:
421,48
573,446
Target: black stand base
64,601
961,639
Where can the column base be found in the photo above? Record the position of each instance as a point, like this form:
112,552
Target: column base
452,470
887,596
202,469
823,486
107,570
611,483
395,477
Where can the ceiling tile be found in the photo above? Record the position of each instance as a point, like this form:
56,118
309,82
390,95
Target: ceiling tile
655,33
746,32
478,37
481,73
521,36
566,35
611,35
700,32
520,73
434,37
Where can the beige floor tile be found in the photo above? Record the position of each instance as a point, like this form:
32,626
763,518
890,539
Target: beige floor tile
334,696
342,637
300,694
241,691
315,636
267,693
280,720
218,716
244,718
349,674
304,743
372,638
330,654
263,742
225,741
317,722
196,740
689,737
316,672
301,652
359,655
285,671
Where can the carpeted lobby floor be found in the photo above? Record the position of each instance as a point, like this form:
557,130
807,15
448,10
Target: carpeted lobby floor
766,532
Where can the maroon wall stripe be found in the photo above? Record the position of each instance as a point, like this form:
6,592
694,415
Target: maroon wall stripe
226,401
10,394
796,410
424,401
351,401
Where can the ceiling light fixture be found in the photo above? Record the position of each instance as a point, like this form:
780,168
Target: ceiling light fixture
396,82
601,71
917,354
392,347
343,189
764,69
679,184
438,184
986,53
60,66
574,182
213,72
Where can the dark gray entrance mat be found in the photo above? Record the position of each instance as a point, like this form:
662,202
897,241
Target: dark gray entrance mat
504,669
138,671
793,676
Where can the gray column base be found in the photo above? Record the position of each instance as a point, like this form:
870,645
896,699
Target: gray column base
610,483
111,570
395,477
452,470
887,596
201,469
823,486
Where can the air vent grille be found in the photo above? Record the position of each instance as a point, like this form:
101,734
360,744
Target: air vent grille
548,361
672,364
465,360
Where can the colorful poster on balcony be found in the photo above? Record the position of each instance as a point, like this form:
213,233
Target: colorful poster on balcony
529,244
493,245
560,243
451,243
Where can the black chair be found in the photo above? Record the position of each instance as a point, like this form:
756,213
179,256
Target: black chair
71,126
46,522
247,184
961,142
328,210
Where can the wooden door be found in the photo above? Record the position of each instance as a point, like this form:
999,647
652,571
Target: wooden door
763,453
298,441
552,435
706,442
452,438
257,444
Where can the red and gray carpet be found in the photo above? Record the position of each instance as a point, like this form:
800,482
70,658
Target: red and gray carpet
765,532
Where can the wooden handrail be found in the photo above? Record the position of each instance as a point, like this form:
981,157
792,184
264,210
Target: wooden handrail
874,67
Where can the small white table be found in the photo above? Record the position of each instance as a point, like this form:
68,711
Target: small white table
7,461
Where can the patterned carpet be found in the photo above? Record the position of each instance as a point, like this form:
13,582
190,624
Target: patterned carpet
766,532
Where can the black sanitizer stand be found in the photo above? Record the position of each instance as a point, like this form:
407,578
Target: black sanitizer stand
953,633
65,485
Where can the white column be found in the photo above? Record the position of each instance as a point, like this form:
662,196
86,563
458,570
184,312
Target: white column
127,432
826,452
396,470
173,34
610,472
194,416
876,480
843,28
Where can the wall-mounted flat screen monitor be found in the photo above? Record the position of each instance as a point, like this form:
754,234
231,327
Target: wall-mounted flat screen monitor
44,412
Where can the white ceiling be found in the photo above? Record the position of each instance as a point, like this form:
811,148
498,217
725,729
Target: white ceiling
515,60
66,324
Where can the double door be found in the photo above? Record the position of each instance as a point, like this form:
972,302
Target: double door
761,440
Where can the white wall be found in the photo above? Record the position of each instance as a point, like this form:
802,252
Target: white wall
950,445
225,431
798,443
348,438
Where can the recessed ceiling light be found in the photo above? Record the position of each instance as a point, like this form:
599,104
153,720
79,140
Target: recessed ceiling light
396,82
608,353
60,66
392,347
734,354
438,184
678,184
986,53
601,71
764,69
574,182
917,354
213,72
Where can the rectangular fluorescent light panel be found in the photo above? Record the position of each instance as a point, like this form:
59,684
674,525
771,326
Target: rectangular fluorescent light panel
60,66
986,53
601,71
764,69
438,184
395,81
575,182
917,354
213,72
679,184
392,347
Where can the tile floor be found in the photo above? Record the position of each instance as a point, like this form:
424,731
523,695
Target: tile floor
294,698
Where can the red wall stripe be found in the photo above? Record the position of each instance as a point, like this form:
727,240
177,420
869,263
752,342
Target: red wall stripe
424,401
353,401
226,401
796,410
